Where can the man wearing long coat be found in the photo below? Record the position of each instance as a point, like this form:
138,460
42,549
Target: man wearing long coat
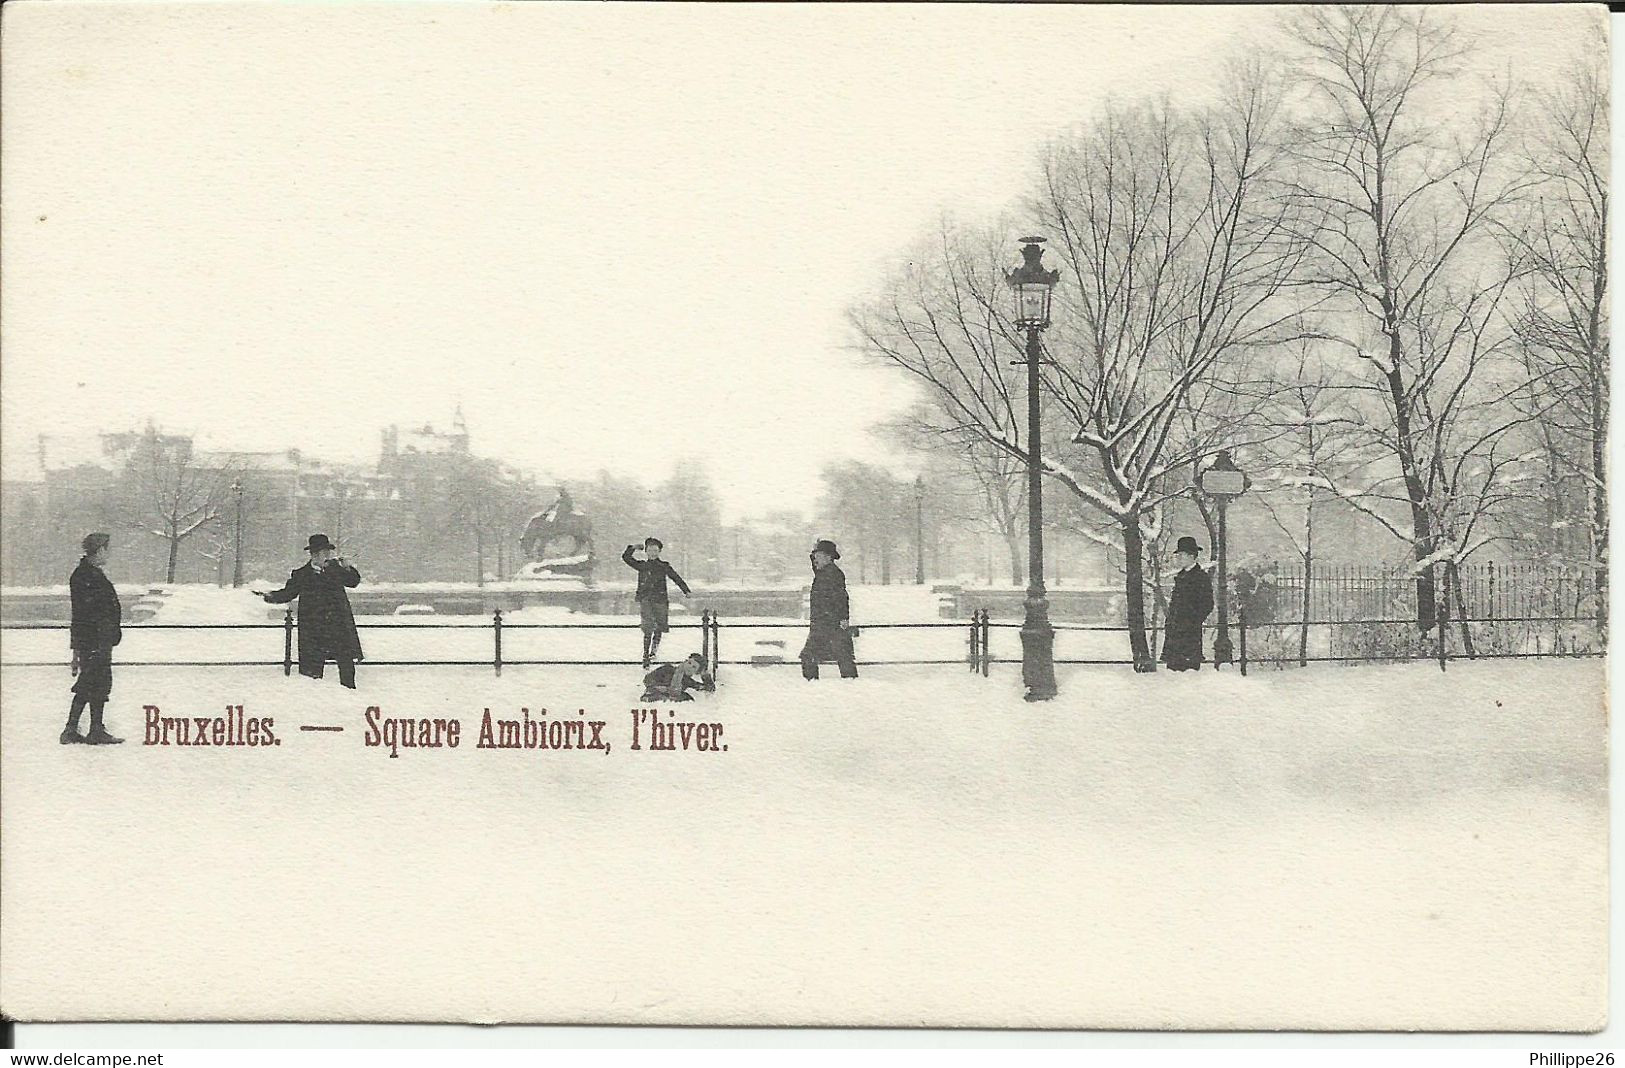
829,635
326,624
1187,609
93,630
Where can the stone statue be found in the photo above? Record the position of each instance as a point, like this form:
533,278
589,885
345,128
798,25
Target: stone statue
557,543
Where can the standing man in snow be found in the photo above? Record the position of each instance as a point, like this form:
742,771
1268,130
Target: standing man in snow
92,633
829,634
1187,608
326,624
654,609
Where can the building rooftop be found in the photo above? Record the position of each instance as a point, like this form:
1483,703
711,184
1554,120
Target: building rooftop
29,461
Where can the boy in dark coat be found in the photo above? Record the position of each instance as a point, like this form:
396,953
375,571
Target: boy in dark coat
92,633
653,607
326,624
671,682
1187,608
829,635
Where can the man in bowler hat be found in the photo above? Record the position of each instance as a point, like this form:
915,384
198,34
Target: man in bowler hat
1187,608
829,635
326,624
92,633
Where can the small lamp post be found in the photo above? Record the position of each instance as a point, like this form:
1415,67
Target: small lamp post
1033,286
237,555
1224,482
919,530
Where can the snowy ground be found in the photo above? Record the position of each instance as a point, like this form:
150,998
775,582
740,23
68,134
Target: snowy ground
1350,848
530,634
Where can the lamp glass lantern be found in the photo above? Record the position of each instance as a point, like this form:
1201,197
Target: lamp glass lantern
1032,304
1223,479
1033,285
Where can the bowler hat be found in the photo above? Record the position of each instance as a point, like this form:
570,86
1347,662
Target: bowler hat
1187,545
317,543
826,546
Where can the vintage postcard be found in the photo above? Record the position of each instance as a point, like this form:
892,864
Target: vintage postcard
890,515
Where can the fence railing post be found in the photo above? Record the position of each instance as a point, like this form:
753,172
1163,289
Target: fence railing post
705,643
1443,638
987,650
716,647
1241,627
971,653
287,641
496,631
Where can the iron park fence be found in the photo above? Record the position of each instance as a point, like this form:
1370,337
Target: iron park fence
1367,614
1268,643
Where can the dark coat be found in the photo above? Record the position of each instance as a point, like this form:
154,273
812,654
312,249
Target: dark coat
652,576
326,624
96,611
662,680
1191,603
828,602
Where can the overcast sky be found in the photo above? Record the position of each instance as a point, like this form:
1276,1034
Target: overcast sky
617,235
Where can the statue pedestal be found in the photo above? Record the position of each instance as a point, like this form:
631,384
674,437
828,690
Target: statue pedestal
563,574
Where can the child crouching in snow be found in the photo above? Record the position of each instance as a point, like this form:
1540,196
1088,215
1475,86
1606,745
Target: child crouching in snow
671,682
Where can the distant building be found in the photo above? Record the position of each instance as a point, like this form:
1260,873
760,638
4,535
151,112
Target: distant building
405,518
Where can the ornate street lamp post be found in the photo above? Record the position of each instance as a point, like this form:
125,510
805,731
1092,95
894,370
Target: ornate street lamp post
1033,286
237,556
1224,482
919,530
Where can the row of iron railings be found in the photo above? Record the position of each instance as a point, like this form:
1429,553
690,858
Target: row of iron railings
1272,643
1357,613
1390,641
1275,592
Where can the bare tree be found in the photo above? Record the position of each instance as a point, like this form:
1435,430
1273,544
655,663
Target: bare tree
217,547
867,501
1001,491
1406,201
988,487
691,514
1316,441
486,504
1176,261
170,495
1562,327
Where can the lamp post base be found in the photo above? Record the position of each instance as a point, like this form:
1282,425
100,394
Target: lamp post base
1223,651
1038,651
